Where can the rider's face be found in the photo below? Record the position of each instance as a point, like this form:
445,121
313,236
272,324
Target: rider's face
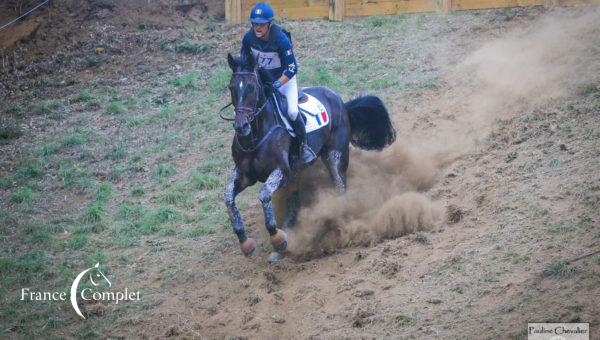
261,30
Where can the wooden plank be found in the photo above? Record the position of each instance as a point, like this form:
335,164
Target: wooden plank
445,6
389,7
480,4
233,11
577,2
337,9
287,3
293,9
304,13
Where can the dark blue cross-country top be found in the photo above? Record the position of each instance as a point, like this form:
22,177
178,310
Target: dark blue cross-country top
276,56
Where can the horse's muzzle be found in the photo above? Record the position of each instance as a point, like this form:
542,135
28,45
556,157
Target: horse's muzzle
242,129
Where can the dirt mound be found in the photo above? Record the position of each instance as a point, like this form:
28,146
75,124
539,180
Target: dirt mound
68,22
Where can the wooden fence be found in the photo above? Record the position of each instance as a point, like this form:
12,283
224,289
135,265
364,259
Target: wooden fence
237,11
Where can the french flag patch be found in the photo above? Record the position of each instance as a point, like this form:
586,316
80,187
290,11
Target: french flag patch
324,117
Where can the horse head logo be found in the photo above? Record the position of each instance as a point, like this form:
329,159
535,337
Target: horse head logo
96,277
95,272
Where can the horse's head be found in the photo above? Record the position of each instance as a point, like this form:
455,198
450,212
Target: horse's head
96,276
246,93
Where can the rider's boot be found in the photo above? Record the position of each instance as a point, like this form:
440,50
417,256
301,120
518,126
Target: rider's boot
307,154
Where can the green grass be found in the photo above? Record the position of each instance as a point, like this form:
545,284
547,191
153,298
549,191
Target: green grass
94,213
47,149
22,196
76,139
35,232
404,320
559,268
6,181
554,163
196,232
29,167
164,170
24,268
166,112
154,221
84,96
48,106
176,197
117,152
77,241
138,192
116,107
129,211
423,238
189,81
103,192
193,48
13,108
91,60
559,227
204,181
132,122
72,177
219,79
10,132
116,172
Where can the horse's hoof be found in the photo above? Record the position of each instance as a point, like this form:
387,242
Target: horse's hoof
248,247
275,257
279,240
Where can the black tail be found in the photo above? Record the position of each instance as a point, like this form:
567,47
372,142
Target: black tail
370,123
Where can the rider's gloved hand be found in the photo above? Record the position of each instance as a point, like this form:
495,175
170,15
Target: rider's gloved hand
277,84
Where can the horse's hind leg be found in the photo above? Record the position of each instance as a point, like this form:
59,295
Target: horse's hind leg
336,162
278,237
292,209
237,184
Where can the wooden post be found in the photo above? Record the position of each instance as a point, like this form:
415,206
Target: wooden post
444,6
233,11
336,10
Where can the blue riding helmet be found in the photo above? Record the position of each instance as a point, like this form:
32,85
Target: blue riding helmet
262,13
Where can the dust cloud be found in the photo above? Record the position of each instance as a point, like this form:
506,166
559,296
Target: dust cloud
387,191
522,70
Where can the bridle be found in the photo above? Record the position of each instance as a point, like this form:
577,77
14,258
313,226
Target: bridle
251,112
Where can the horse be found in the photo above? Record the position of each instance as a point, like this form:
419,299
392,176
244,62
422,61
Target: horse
264,151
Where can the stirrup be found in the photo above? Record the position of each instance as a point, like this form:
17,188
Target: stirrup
308,155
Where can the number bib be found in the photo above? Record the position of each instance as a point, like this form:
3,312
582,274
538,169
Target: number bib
267,60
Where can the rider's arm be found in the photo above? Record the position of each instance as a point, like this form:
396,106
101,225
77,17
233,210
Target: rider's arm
289,60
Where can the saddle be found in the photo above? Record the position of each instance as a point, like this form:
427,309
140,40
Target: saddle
313,113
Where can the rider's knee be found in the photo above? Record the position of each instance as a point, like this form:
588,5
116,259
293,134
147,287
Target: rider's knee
293,114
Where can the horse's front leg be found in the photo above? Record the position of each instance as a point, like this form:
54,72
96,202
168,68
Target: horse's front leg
276,180
238,183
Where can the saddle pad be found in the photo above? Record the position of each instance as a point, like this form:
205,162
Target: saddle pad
315,113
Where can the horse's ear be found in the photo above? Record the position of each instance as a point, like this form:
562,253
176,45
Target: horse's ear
233,63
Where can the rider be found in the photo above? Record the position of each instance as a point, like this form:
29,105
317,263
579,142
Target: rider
268,45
